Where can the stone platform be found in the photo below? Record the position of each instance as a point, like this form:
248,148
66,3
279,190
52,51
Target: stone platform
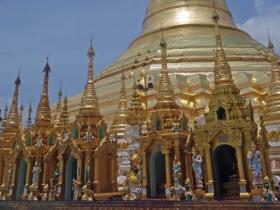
138,205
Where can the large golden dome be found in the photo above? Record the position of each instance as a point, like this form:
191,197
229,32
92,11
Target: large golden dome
189,32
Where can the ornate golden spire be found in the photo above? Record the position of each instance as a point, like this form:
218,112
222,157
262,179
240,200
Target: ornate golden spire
12,122
166,97
58,109
121,119
21,117
29,119
271,110
43,115
136,111
89,98
89,114
165,92
64,113
222,70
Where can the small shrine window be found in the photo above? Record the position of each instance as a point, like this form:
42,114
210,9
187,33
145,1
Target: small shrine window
221,114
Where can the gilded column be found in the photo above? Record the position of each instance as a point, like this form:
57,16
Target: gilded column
167,173
188,165
145,175
27,178
210,182
242,178
96,174
1,169
61,173
45,172
79,170
113,173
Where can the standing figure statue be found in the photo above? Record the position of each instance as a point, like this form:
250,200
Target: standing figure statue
36,174
39,142
10,174
197,168
176,125
89,136
177,171
76,190
254,163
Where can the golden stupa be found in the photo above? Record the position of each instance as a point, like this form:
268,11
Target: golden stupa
188,30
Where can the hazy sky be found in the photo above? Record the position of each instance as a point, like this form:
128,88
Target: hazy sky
32,29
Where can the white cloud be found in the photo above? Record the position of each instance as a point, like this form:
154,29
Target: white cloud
267,17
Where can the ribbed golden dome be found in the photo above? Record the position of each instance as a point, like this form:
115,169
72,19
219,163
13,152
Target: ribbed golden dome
182,12
190,35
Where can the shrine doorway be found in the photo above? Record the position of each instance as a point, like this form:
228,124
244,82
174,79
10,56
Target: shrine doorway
226,179
20,178
157,173
70,174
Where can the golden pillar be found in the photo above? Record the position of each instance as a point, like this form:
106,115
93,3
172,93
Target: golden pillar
1,169
242,179
210,182
88,164
79,170
27,179
15,171
167,168
45,181
96,175
61,169
145,174
114,173
188,165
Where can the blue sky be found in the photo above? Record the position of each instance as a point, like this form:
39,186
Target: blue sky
33,29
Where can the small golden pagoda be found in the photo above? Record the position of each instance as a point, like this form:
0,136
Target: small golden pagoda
120,121
229,138
165,140
53,159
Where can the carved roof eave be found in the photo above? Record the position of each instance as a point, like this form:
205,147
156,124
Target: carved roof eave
207,135
161,138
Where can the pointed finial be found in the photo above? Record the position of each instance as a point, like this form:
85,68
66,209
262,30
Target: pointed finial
6,109
47,68
270,44
18,81
163,44
29,119
91,52
215,16
60,90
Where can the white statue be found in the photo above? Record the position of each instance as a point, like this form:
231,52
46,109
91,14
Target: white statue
89,136
197,168
36,174
76,190
176,125
39,143
10,174
254,163
177,171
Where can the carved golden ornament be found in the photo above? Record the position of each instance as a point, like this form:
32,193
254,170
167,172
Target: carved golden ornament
135,159
274,136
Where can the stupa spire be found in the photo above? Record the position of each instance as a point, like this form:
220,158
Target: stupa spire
271,110
165,92
121,119
58,109
270,44
222,70
136,110
89,98
43,114
21,117
64,113
29,119
12,121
